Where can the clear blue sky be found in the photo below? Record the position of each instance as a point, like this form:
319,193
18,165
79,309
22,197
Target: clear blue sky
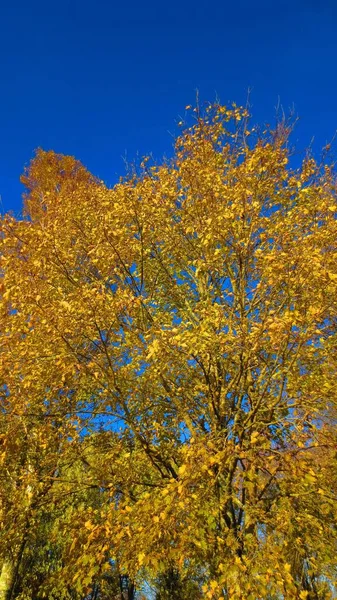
103,80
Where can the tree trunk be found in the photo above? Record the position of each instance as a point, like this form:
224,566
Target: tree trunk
6,579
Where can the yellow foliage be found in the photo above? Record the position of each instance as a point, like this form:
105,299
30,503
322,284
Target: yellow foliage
171,344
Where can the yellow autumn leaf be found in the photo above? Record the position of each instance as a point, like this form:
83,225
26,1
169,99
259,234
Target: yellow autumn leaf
182,469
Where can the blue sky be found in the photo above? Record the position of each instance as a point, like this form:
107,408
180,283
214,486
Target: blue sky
105,81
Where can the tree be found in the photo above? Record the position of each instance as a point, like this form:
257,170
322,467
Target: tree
170,585
184,324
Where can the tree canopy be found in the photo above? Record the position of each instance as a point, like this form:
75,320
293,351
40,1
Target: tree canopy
168,371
